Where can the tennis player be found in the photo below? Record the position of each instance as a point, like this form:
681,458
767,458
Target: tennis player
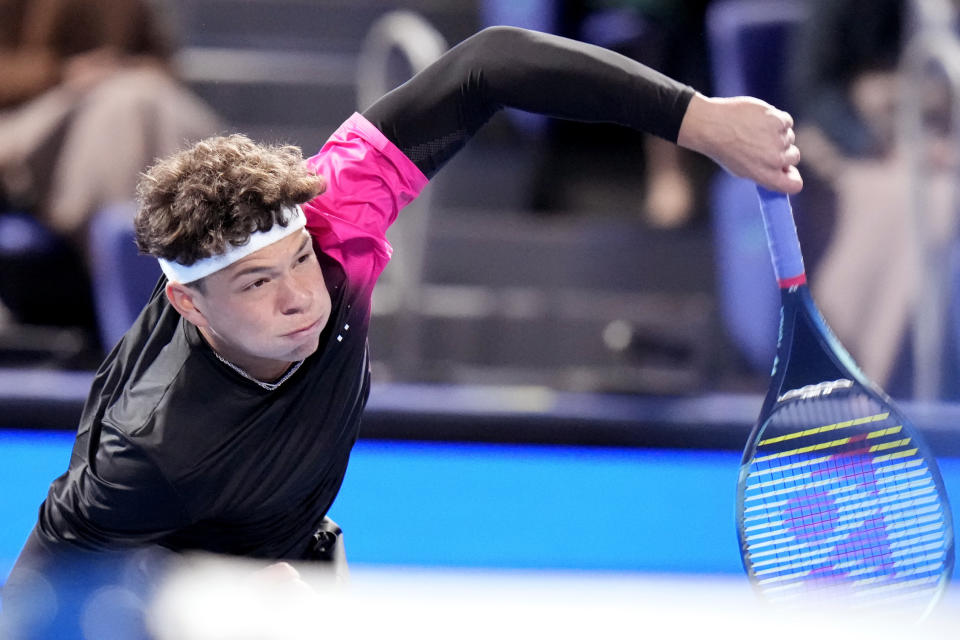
224,419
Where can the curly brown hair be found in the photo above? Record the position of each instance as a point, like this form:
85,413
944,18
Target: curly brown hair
195,202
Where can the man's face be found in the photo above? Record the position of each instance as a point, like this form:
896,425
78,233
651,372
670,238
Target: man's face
266,310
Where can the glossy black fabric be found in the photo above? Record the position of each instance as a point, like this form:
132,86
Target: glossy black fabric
185,453
432,116
177,450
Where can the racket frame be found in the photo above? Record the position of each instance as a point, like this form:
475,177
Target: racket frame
809,354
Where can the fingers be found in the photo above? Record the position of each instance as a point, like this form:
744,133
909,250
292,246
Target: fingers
280,576
783,126
787,177
790,157
278,572
786,119
789,137
787,180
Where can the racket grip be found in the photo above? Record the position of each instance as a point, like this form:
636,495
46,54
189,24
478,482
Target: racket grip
782,238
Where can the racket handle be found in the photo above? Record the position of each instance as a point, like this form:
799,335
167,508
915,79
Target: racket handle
782,238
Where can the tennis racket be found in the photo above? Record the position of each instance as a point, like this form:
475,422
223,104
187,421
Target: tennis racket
839,502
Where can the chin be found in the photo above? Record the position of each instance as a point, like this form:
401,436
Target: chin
306,350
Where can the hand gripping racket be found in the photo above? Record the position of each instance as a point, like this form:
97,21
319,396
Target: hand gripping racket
839,502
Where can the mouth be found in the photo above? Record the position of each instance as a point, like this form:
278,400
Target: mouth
310,328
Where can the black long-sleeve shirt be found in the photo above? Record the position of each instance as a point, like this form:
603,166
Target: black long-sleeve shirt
432,116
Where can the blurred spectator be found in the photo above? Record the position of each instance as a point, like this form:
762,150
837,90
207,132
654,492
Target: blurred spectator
666,35
844,73
87,100
96,102
848,90
40,39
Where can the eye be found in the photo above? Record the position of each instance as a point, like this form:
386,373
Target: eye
256,284
303,258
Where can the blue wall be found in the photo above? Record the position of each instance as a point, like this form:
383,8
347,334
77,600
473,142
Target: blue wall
474,505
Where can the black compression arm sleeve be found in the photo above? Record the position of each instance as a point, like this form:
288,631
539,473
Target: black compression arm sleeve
433,115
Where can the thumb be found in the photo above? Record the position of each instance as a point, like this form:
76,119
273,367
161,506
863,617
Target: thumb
788,180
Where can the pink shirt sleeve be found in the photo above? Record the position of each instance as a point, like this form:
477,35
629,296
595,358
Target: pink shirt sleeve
368,181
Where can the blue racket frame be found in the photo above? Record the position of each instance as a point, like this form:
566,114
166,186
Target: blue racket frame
808,353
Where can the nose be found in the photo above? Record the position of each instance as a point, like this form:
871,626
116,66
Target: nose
295,296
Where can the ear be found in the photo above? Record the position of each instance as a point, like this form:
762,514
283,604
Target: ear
184,299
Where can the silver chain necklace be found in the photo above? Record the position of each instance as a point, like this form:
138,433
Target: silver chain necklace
269,386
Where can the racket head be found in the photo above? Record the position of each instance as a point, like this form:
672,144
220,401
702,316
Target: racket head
839,501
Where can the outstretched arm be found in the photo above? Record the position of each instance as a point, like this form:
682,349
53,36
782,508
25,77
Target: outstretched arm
432,116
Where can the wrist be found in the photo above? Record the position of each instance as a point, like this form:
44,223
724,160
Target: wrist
696,124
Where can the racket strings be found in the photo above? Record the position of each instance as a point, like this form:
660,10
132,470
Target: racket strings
839,502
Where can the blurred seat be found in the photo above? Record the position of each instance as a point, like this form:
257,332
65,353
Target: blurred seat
29,253
21,234
122,279
749,44
47,317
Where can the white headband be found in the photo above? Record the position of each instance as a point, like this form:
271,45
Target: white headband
184,273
